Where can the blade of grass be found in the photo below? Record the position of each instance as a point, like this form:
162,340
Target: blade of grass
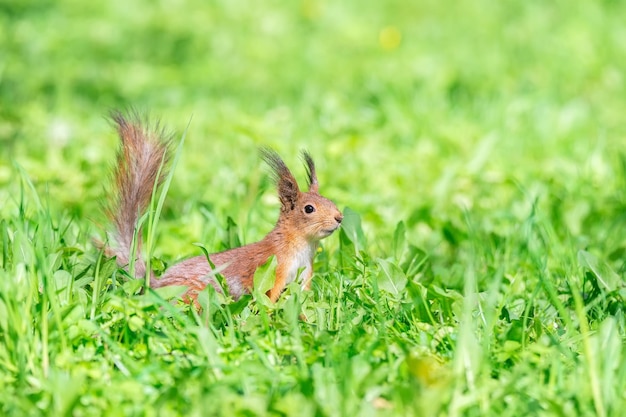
155,212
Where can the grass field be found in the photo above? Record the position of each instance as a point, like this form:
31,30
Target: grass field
478,151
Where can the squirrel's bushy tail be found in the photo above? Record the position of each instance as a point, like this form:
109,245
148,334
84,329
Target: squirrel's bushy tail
141,162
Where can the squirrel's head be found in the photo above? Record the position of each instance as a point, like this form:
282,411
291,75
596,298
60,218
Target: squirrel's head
314,215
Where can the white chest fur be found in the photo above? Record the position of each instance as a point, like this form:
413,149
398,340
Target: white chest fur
302,263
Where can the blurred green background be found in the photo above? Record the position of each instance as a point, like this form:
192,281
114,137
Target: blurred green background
405,105
414,111
493,130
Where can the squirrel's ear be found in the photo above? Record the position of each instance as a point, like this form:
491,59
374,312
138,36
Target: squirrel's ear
310,171
288,190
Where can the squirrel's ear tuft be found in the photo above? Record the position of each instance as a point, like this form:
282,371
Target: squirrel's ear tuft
310,171
288,190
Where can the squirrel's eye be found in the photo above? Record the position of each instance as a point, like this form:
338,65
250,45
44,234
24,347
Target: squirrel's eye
308,209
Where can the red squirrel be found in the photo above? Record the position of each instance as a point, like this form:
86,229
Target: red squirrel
305,218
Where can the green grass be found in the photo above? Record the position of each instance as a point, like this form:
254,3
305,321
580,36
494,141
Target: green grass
479,148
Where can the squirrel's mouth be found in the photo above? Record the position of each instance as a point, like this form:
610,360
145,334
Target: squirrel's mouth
328,232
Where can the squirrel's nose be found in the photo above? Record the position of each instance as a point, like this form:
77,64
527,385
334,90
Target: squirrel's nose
339,218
